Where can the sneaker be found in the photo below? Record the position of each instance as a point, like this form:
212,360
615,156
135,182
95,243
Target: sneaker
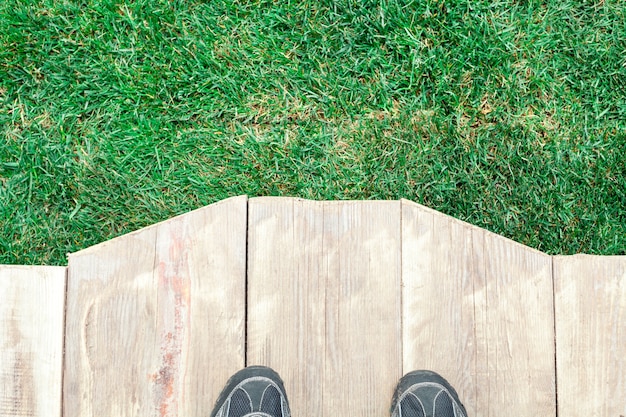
255,391
425,394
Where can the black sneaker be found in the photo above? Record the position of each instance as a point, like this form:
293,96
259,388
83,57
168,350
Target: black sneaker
255,391
425,394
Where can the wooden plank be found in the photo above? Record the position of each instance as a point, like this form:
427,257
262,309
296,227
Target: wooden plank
324,302
468,299
31,340
438,274
155,319
590,305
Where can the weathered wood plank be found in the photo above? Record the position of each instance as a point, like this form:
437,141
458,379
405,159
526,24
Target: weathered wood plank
324,302
590,305
155,319
31,340
468,297
438,273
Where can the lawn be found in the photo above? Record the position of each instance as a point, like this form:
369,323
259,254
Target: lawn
118,114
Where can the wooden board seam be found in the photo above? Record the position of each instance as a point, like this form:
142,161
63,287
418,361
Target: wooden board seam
62,393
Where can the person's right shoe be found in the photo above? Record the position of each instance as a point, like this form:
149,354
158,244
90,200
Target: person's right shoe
425,394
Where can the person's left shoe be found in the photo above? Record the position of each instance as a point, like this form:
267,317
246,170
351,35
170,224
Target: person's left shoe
255,391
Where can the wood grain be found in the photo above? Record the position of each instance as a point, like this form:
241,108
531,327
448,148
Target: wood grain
343,298
155,319
468,297
324,302
31,340
590,302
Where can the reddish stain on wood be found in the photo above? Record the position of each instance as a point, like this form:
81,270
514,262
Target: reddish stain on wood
174,294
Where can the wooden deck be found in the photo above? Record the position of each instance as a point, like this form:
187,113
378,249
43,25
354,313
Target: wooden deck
341,298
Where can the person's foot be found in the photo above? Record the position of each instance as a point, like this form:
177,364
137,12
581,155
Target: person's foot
255,391
425,394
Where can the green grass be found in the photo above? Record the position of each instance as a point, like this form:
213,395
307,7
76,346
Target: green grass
117,114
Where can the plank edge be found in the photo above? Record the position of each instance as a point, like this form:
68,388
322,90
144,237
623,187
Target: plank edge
470,226
115,240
